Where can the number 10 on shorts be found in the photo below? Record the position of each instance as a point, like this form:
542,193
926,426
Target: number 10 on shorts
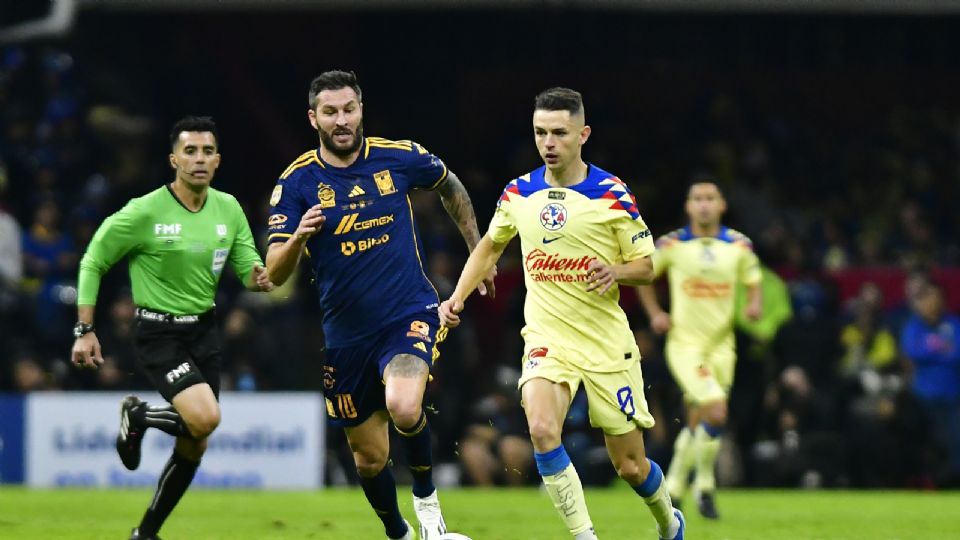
625,399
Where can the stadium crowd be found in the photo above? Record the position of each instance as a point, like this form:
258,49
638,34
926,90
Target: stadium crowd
851,379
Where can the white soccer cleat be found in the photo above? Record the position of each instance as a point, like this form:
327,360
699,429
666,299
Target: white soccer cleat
429,516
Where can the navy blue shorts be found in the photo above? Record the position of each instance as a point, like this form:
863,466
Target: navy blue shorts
353,376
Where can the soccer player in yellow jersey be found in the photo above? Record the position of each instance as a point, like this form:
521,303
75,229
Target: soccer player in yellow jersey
581,235
704,262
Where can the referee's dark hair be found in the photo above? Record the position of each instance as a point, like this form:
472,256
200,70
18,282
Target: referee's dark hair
333,80
559,99
193,123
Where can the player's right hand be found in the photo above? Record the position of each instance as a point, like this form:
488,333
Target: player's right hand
310,223
450,312
86,351
661,323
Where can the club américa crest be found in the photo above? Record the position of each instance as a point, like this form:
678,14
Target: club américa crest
553,217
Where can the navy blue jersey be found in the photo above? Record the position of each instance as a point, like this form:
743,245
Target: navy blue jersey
365,259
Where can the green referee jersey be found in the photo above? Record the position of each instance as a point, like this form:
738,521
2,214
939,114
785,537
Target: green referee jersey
176,256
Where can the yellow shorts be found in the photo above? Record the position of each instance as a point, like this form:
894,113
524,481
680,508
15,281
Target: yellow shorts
703,377
616,402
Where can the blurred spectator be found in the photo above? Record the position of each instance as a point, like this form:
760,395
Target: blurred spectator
29,375
869,396
496,448
50,263
801,447
931,341
869,348
242,349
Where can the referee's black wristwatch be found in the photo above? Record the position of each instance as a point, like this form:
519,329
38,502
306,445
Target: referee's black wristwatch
81,329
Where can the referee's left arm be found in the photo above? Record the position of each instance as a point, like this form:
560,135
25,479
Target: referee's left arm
244,257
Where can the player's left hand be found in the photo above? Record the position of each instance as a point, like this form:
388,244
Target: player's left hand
450,312
600,277
261,278
753,311
487,286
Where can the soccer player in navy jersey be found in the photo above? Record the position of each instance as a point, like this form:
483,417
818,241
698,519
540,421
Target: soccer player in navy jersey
346,205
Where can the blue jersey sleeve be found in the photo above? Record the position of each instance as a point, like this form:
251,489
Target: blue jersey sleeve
287,206
425,170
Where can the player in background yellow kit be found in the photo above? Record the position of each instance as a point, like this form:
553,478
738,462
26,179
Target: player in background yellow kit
581,234
704,262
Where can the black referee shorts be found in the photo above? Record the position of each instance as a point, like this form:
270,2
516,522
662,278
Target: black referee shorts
178,352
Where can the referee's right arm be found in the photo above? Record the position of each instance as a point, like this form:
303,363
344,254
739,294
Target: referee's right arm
114,239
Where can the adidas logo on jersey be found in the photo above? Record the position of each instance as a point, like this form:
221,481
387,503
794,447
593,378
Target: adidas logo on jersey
357,191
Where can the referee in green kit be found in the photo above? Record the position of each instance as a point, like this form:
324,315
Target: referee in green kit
178,239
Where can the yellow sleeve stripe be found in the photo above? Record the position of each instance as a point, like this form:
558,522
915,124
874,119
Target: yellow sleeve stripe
301,158
390,146
380,142
274,236
442,178
300,164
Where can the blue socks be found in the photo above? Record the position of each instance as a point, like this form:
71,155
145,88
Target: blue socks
419,456
552,462
381,491
653,481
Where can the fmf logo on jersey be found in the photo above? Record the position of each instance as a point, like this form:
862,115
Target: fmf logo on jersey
221,230
553,217
171,229
349,223
349,248
275,196
642,234
419,330
178,372
384,182
326,196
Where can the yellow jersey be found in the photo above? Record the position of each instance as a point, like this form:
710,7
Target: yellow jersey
704,273
563,229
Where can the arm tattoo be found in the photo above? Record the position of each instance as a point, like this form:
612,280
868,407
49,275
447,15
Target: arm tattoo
456,200
406,365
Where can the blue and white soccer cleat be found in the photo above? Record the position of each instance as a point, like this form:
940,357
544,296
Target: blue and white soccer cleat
679,535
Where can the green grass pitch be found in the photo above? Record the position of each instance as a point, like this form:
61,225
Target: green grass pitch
502,514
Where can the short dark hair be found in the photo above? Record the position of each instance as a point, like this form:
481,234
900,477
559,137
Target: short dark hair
193,123
703,178
559,99
332,80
